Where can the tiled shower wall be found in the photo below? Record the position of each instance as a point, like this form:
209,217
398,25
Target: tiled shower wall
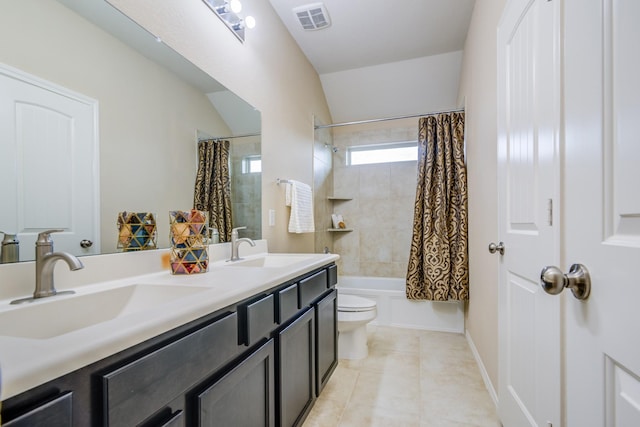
322,189
246,188
381,210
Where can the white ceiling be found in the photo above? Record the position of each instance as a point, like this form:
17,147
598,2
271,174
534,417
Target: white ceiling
364,33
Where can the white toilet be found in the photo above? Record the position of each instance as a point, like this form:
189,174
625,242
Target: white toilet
354,313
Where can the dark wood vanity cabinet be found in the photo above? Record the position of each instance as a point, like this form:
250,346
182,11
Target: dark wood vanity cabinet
260,362
307,348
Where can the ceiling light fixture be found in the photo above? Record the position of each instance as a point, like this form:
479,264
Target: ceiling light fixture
236,6
250,22
228,12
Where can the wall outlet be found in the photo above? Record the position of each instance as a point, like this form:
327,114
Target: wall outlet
272,217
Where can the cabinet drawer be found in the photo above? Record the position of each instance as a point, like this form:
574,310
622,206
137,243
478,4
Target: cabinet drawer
54,413
286,303
138,389
165,418
176,420
312,287
332,276
256,319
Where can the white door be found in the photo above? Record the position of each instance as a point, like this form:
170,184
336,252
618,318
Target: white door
528,187
49,170
601,228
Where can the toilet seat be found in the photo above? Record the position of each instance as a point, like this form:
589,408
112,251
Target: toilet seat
352,303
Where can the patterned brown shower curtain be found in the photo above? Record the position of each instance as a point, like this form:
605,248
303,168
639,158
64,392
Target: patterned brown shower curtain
438,262
213,185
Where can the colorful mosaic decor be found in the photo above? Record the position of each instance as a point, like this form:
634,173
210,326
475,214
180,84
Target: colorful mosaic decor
189,238
136,231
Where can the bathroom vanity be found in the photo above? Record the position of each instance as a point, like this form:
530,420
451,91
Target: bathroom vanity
259,346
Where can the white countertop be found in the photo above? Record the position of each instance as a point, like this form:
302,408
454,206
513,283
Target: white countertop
27,363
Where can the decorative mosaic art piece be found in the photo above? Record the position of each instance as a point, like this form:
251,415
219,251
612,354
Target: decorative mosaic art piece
188,234
136,231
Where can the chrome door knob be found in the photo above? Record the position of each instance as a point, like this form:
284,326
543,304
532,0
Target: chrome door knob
553,281
493,248
86,243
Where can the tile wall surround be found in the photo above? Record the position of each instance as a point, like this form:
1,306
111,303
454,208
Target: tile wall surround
322,189
246,188
381,209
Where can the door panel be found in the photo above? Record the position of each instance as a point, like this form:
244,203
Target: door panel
528,126
52,178
602,231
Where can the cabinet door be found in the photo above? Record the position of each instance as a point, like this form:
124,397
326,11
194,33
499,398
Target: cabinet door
244,397
54,413
296,370
326,339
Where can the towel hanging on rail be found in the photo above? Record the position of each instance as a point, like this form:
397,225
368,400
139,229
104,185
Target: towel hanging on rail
300,197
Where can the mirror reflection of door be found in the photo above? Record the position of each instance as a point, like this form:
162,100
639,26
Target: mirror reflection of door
50,171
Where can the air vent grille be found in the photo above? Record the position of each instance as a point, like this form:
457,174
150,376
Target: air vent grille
312,16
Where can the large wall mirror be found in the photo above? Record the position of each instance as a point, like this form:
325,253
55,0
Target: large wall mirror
148,109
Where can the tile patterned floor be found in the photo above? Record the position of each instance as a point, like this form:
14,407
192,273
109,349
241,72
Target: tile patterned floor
411,378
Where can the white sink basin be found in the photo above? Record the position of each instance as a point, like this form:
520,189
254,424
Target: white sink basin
55,316
271,261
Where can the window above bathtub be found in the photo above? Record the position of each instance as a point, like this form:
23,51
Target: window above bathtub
382,153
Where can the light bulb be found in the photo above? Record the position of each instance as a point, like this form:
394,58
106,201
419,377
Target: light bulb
250,22
235,5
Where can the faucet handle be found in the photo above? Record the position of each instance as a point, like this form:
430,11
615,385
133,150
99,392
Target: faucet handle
44,237
235,230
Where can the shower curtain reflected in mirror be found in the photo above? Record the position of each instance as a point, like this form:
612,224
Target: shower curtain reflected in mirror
213,185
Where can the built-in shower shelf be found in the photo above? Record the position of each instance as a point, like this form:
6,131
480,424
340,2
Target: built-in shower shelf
340,230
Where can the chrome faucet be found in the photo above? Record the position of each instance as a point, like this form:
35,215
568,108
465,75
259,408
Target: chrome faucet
235,242
45,263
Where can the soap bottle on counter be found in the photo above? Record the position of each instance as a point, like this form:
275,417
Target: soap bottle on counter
215,236
10,249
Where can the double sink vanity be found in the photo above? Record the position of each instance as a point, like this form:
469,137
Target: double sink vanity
249,343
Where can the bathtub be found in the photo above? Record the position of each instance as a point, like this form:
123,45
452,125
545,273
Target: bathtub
394,309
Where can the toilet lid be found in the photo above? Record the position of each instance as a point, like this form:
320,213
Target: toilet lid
354,303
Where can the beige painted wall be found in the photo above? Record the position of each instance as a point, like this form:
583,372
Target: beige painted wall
478,92
147,116
369,92
270,72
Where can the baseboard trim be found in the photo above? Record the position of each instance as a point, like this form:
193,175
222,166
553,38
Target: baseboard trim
483,371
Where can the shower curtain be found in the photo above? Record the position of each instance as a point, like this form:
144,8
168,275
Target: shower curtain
438,267
213,185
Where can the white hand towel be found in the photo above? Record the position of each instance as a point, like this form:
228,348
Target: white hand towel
287,193
301,219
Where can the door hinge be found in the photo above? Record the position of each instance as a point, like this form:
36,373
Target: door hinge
550,212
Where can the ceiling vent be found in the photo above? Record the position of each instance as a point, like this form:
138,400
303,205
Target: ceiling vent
312,16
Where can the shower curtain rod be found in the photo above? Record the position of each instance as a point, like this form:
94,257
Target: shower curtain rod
230,137
360,122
